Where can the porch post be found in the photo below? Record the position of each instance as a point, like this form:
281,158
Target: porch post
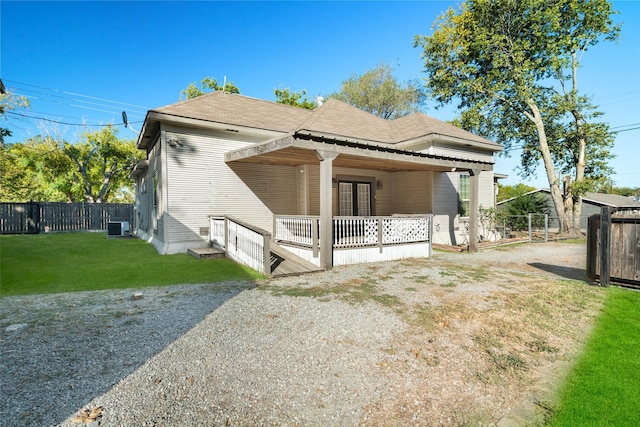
326,211
473,209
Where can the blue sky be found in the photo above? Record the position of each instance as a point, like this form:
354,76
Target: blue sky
87,61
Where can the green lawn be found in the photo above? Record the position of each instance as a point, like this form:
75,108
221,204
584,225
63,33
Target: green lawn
604,387
69,262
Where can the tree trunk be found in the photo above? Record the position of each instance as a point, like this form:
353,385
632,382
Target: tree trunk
582,144
554,184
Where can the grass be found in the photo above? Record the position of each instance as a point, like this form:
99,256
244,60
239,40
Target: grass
356,291
70,262
604,387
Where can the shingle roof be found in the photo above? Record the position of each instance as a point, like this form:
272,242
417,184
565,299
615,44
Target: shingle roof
615,200
333,117
337,118
239,110
419,124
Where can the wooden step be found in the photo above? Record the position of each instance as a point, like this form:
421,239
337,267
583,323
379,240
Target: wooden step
289,264
204,253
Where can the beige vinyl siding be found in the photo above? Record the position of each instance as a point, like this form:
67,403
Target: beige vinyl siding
411,192
445,207
144,206
397,195
202,184
384,195
154,187
486,189
310,177
302,182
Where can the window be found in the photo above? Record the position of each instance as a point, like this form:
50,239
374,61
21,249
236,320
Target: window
463,195
155,190
346,198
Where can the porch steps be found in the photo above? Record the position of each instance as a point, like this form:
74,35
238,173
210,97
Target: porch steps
202,253
285,263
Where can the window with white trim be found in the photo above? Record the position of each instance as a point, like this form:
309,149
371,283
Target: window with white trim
464,193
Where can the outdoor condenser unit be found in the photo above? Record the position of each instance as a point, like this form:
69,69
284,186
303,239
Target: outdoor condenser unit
117,228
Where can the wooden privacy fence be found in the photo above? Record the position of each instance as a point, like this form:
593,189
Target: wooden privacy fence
613,246
47,217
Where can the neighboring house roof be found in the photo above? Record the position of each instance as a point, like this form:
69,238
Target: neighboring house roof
614,200
333,119
600,199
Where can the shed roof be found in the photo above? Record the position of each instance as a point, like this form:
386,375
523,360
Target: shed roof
600,199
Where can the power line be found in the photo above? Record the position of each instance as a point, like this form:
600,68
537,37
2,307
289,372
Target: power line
627,130
66,123
76,94
28,111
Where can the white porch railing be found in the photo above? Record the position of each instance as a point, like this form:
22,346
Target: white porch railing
297,230
244,243
353,231
350,232
216,230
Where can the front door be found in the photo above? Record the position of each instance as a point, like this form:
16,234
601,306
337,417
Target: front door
354,198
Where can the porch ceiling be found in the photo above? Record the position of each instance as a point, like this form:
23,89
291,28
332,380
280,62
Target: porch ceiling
296,151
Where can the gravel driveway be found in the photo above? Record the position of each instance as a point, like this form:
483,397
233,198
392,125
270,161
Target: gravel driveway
383,344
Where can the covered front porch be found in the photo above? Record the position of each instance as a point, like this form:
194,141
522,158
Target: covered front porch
349,170
356,240
294,247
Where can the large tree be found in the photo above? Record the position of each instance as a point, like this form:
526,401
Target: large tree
9,102
93,170
378,92
512,67
32,170
101,163
296,99
207,85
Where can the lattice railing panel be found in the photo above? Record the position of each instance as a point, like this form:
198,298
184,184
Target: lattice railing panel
405,230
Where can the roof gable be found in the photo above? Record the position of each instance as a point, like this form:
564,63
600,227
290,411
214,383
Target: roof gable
337,118
420,124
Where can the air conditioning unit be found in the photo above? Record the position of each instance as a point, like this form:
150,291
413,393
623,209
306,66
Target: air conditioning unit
117,228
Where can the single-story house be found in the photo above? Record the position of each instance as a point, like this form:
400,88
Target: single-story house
592,203
276,167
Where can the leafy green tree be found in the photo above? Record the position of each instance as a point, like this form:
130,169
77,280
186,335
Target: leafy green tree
515,214
297,99
207,85
9,102
624,191
32,170
512,67
101,164
506,192
378,92
94,169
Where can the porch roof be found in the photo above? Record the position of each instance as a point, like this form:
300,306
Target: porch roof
300,149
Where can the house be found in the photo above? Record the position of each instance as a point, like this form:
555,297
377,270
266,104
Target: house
592,203
276,167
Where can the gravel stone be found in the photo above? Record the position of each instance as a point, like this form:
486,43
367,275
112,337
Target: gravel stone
231,353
